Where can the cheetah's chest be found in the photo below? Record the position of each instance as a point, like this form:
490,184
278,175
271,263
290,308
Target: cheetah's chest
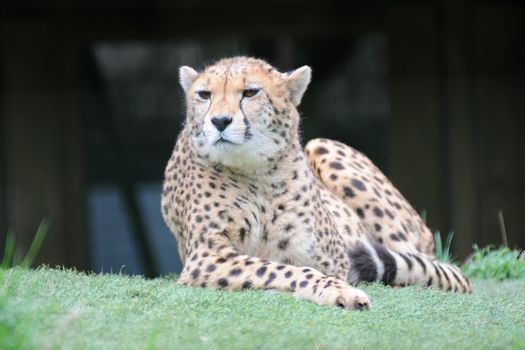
278,229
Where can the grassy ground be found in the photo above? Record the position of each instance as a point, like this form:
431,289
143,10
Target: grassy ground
50,308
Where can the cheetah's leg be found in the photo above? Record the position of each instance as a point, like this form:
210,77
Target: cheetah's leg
385,214
216,264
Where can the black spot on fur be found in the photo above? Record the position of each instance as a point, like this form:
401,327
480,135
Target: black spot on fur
283,244
271,277
438,273
420,261
394,237
261,271
362,262
429,282
303,284
358,184
378,212
248,131
444,274
321,150
223,283
407,261
348,191
336,165
389,263
235,272
458,279
242,233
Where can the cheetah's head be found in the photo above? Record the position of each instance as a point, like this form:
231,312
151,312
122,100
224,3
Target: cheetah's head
241,112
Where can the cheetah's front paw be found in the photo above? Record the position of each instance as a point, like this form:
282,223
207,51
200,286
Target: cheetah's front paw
338,293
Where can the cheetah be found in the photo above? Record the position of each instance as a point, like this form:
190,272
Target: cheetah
251,209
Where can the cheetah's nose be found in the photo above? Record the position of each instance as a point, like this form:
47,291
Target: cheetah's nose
221,122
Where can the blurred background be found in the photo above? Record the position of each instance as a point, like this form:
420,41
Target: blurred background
432,91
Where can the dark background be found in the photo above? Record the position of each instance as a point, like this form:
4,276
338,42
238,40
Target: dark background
432,91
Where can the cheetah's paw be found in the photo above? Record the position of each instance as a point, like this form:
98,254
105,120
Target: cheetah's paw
341,294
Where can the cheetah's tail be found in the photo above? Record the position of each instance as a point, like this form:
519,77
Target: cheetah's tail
371,261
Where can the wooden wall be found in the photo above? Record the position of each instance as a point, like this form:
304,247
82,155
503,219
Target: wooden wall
458,101
42,138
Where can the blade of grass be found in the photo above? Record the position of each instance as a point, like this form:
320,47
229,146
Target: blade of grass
502,229
448,242
8,251
36,244
438,244
423,215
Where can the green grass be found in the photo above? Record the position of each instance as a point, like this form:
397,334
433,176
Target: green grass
14,257
442,250
49,308
499,264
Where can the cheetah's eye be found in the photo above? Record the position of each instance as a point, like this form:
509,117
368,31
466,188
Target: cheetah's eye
250,92
204,94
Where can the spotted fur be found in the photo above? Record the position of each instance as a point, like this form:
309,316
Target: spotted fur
250,209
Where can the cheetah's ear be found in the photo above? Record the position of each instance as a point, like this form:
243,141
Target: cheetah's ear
187,76
297,82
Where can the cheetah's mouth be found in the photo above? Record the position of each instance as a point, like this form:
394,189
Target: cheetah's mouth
222,140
